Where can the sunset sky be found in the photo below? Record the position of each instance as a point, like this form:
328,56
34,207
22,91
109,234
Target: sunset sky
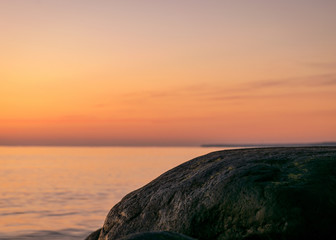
177,72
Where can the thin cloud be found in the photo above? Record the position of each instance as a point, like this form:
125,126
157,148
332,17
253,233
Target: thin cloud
269,83
277,88
308,81
247,97
327,81
322,65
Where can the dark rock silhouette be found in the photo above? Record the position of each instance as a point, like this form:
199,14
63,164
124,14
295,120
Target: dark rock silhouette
269,193
164,235
94,235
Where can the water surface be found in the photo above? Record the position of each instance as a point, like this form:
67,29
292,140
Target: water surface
66,192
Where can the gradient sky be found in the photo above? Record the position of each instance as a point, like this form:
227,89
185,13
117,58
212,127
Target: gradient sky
177,72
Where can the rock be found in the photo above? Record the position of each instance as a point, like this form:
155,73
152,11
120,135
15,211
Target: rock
270,193
94,235
163,235
156,236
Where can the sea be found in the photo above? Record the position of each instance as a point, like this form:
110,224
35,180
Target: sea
65,193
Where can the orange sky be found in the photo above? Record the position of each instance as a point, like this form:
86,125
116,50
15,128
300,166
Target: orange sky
80,72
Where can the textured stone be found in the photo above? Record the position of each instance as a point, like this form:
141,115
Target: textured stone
270,193
156,236
94,235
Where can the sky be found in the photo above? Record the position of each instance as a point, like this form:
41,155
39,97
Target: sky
177,72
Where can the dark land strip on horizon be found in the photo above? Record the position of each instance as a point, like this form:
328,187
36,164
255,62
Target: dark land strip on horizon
271,145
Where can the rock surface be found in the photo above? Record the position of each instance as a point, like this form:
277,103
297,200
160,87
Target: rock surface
270,193
157,236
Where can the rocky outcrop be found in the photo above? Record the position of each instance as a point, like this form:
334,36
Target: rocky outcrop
270,193
164,235
94,235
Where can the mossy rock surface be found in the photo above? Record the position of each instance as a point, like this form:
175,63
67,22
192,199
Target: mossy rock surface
269,193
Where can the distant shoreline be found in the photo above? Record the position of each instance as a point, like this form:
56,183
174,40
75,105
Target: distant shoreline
211,145
271,145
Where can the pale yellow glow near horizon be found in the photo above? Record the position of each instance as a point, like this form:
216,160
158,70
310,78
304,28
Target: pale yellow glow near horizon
166,73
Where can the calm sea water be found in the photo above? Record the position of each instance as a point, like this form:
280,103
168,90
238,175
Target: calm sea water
66,192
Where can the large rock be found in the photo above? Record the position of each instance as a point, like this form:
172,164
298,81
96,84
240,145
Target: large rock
270,193
163,235
157,236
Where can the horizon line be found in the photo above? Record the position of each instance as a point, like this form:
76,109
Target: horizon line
324,143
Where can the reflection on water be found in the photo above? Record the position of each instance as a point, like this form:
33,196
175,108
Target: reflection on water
66,192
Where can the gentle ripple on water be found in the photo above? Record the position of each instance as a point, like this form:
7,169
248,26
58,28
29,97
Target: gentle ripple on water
66,192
